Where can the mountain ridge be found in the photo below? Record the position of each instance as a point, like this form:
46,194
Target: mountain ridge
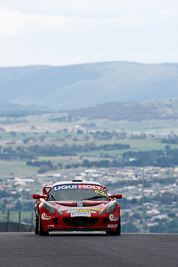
86,85
166,109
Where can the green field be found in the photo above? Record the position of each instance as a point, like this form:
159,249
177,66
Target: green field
154,126
15,168
42,131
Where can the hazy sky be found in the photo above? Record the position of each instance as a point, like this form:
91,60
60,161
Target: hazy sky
65,32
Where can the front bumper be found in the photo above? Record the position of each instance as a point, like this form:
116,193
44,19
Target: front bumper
67,223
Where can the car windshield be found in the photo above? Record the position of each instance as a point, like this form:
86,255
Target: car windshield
62,193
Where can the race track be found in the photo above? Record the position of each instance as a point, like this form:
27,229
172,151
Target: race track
84,250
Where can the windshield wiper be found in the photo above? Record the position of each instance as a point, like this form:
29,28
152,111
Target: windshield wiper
94,197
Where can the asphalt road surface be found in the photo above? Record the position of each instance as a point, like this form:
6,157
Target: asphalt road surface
84,250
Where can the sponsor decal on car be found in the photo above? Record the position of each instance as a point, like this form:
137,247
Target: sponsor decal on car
80,214
80,210
62,187
51,226
112,225
112,218
77,186
77,209
44,216
88,186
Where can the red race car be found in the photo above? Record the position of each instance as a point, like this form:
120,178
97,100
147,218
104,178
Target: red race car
77,206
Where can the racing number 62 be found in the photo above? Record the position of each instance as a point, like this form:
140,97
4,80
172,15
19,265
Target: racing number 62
99,192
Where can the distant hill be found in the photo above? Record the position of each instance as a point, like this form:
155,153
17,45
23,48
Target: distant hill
153,110
15,110
166,109
87,85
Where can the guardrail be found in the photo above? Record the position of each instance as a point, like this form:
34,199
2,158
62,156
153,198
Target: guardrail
16,221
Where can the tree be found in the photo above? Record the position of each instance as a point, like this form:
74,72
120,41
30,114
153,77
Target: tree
3,205
18,205
130,228
13,133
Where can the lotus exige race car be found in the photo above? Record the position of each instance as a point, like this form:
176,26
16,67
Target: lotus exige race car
77,206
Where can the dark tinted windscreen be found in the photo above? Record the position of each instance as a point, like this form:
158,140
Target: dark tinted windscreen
67,193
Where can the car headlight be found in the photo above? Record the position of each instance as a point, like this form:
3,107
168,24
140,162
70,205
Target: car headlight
60,212
111,207
101,212
49,208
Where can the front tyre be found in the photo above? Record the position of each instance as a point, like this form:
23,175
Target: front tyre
40,228
36,224
118,231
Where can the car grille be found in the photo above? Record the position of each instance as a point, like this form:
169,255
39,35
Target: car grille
80,221
55,220
105,220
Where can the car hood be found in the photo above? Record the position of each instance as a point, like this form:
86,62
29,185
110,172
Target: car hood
84,204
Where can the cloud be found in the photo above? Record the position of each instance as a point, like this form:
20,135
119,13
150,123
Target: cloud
91,8
13,23
10,22
64,31
83,16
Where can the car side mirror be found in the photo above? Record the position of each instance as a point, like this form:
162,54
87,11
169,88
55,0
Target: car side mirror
37,196
118,196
